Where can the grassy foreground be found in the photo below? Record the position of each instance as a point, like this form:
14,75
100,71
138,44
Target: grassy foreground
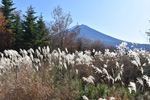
90,75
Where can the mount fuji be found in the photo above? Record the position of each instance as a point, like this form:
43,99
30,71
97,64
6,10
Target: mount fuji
93,34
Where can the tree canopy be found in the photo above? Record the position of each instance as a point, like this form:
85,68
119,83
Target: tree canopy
7,8
34,32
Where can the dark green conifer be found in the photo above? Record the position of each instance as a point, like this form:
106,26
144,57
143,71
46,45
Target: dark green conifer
34,32
42,36
7,8
18,30
29,28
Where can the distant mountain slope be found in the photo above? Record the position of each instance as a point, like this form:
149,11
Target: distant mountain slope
92,34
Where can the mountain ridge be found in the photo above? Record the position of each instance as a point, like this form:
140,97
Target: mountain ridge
92,34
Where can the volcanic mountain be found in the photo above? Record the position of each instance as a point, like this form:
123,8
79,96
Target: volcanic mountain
92,34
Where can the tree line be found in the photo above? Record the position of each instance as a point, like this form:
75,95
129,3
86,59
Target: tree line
27,30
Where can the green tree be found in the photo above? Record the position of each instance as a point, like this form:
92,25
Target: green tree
29,28
34,32
7,8
42,38
18,30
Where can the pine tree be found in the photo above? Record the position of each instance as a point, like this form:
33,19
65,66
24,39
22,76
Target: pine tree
7,12
29,28
42,36
17,23
18,30
34,32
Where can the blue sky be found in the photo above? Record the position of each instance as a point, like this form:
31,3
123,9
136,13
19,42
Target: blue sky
123,19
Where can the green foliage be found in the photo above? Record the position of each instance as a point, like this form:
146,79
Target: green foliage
102,90
42,36
7,8
93,92
29,28
34,33
18,32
